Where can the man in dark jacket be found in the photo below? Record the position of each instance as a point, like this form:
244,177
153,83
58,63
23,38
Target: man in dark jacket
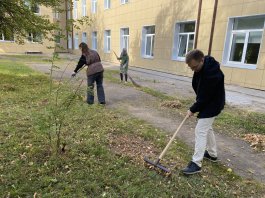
208,84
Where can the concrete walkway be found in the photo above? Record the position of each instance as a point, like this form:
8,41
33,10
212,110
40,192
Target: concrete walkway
180,86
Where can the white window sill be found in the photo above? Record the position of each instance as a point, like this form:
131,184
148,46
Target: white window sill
240,65
105,9
180,59
148,57
4,41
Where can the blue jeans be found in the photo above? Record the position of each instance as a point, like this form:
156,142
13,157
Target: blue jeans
98,77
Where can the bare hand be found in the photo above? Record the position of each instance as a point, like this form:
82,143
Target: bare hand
189,113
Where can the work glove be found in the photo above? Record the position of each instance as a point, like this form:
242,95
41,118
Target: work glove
73,74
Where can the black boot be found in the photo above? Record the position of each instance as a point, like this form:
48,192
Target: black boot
126,77
121,75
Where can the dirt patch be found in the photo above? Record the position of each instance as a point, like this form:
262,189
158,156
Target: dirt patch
171,104
257,141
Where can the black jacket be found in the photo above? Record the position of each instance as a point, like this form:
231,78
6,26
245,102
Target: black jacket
208,85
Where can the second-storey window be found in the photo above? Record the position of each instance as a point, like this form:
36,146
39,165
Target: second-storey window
107,4
124,1
93,6
84,8
75,9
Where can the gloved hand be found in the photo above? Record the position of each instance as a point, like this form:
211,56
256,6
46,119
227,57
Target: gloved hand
73,74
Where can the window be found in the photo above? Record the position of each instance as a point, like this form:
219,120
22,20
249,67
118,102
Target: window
94,41
125,38
35,8
34,37
32,6
75,10
84,8
243,41
148,41
76,41
69,9
107,37
183,40
58,38
124,1
94,6
56,14
107,4
70,41
84,37
6,35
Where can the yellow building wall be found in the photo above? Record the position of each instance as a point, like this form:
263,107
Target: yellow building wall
164,15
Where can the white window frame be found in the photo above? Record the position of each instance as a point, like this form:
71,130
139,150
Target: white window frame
144,42
122,40
84,38
56,14
70,42
75,9
176,43
107,4
93,6
76,41
69,9
32,36
124,2
95,40
2,38
107,45
84,13
229,41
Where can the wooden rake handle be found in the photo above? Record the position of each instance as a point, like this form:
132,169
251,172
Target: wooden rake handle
172,138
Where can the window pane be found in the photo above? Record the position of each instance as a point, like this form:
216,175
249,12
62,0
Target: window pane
148,46
126,31
153,44
191,41
150,30
108,44
182,45
252,53
237,47
245,23
187,27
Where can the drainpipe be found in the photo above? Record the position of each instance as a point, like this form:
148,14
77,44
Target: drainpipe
66,19
198,24
212,29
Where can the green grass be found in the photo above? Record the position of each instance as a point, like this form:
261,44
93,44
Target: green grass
90,167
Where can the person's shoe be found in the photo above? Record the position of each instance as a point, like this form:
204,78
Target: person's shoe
207,156
192,168
102,103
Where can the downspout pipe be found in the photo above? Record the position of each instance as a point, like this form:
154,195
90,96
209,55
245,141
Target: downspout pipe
212,28
198,24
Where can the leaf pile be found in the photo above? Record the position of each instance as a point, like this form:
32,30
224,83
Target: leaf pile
257,141
175,104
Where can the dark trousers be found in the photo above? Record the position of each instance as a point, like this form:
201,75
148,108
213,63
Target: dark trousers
98,78
126,76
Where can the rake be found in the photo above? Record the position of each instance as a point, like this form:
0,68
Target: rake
157,162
